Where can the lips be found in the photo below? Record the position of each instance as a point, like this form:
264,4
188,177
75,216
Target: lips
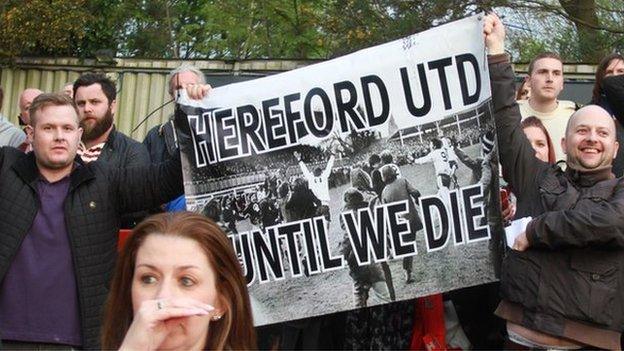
590,150
59,148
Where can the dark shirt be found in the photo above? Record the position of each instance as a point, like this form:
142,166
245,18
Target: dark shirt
38,296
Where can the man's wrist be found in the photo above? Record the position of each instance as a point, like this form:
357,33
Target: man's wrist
500,58
496,49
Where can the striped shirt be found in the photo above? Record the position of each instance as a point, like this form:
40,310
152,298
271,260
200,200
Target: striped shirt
91,154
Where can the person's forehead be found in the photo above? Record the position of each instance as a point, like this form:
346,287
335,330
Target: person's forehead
172,251
593,119
615,64
535,132
63,114
90,91
29,95
548,63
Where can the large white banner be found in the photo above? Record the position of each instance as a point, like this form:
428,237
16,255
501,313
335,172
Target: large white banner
353,182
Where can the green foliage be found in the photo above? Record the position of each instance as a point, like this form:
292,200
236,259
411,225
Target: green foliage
580,30
40,27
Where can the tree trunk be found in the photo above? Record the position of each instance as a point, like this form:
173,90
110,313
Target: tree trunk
590,39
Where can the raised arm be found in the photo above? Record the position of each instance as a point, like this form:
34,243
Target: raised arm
302,165
148,186
330,165
520,166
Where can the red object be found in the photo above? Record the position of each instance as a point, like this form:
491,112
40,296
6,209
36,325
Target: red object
123,236
429,332
504,195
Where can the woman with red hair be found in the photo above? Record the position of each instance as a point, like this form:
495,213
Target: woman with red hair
178,285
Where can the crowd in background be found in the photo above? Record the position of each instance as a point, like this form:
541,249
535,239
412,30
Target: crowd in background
69,180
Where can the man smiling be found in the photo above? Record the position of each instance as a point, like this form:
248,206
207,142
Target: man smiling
562,283
590,139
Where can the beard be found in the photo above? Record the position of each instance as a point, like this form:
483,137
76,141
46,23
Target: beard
94,131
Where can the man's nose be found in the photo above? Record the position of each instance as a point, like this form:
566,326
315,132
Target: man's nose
592,135
59,134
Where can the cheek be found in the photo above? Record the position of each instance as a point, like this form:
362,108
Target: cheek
138,295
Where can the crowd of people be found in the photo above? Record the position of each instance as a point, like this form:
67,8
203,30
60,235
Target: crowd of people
69,180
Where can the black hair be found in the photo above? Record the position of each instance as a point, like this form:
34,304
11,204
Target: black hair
108,86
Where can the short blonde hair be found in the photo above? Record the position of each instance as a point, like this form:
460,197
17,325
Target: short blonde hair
50,99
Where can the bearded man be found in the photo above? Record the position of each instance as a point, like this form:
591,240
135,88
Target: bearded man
95,95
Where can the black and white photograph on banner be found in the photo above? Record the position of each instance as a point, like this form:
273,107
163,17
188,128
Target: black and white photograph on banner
341,191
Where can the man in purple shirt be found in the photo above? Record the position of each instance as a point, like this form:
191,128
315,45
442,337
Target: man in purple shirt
59,226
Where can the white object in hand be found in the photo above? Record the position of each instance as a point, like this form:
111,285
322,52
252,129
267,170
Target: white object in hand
515,228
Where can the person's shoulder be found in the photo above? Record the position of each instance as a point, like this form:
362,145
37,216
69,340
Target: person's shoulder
120,137
128,146
566,106
525,109
11,153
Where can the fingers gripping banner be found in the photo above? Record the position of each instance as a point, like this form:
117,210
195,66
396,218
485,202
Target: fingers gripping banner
353,182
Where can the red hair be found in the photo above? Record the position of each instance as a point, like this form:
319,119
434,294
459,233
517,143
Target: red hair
533,121
234,331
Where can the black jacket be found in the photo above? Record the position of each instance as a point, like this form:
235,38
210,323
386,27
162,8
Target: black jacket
98,195
572,275
612,100
122,151
161,142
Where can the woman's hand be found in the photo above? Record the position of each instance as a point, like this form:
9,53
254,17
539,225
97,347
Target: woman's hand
156,319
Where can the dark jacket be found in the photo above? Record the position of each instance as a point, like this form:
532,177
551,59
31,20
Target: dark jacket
122,151
612,100
98,195
569,282
161,142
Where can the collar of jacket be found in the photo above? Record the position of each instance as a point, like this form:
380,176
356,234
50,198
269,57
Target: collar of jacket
26,168
110,141
585,177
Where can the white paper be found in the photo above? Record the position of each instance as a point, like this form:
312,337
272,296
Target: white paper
515,228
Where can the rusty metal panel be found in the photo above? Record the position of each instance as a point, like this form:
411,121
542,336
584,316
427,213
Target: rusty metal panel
142,85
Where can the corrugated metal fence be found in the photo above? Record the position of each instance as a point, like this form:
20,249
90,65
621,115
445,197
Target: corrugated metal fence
142,84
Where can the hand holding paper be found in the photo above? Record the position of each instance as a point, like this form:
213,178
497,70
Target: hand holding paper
515,234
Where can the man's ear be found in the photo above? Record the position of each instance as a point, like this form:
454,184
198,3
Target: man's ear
563,145
29,133
616,146
113,106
